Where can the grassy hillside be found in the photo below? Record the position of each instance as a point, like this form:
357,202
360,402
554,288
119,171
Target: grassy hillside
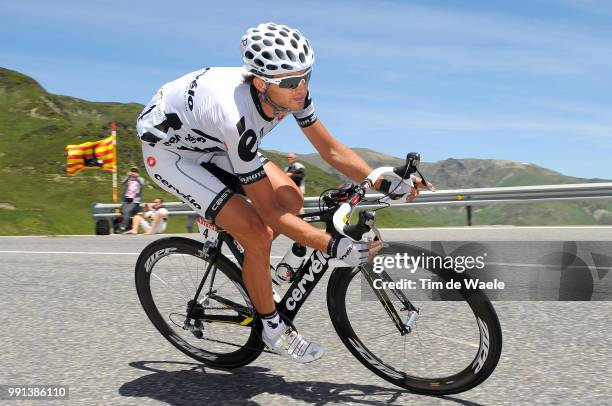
37,197
36,126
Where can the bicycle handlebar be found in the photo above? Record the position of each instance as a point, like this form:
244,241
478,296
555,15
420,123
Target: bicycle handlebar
403,172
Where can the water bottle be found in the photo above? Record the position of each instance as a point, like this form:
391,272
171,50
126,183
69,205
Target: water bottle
291,262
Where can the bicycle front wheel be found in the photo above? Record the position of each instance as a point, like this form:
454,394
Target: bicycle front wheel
221,331
452,347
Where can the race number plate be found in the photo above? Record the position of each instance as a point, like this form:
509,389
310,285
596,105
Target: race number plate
208,230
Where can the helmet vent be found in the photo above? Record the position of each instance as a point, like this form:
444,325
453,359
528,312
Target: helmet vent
273,49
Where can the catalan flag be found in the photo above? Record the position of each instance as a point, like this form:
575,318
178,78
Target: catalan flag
91,155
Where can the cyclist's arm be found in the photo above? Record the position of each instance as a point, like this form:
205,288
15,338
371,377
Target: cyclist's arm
242,152
336,153
261,195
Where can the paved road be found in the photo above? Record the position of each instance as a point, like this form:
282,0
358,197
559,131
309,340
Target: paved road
70,316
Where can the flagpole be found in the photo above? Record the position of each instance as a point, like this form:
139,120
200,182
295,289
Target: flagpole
114,134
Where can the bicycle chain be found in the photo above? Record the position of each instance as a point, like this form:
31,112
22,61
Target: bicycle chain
232,344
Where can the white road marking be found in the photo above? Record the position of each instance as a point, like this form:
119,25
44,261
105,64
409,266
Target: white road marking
92,253
69,252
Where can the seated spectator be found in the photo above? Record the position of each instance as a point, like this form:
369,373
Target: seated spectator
153,219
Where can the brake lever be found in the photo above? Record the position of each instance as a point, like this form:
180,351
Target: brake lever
363,226
413,159
428,184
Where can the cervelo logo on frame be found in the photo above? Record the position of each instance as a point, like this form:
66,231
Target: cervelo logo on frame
316,266
151,161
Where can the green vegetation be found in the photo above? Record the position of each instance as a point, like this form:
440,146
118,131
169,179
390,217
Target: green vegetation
37,197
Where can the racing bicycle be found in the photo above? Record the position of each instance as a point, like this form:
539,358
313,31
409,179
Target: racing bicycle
193,293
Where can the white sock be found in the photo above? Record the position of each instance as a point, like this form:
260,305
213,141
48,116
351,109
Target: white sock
272,324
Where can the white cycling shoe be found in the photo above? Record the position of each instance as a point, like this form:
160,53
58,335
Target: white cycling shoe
290,344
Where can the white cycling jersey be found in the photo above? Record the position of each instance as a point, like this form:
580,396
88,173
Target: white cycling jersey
210,118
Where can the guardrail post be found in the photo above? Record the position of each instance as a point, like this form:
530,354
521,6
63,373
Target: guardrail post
469,215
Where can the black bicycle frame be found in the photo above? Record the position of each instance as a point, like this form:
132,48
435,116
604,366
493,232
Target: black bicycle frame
304,282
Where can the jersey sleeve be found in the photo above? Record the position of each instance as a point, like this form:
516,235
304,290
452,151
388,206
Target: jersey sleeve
307,116
150,123
242,143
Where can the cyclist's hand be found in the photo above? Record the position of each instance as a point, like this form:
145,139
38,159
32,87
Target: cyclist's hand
351,252
374,248
396,189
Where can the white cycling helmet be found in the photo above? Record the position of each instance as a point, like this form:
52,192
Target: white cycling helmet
272,49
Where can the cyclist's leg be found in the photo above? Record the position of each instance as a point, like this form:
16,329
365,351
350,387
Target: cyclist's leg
240,218
183,177
286,192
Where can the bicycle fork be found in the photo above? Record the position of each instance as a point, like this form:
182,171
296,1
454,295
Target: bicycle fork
413,313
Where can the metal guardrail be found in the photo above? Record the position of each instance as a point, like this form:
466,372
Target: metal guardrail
482,196
457,197
110,210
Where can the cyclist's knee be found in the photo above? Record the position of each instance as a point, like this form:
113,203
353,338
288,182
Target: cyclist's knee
290,198
242,221
256,236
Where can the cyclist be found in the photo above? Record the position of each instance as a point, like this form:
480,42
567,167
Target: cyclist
200,136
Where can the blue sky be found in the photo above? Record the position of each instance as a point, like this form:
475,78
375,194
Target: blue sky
527,81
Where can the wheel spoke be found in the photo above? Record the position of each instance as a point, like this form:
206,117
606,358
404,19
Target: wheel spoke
443,342
170,283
